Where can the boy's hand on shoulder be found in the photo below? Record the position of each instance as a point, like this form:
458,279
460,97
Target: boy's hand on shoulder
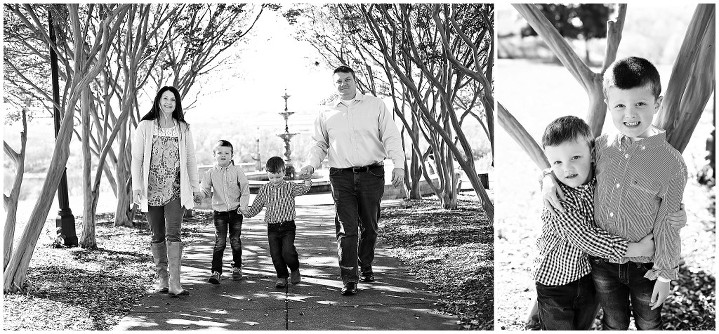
659,294
678,219
551,193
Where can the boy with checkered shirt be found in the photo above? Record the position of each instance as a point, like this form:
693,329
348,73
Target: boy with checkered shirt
278,196
565,291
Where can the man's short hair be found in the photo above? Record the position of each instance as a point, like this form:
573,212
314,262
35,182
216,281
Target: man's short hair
567,128
345,69
632,72
275,165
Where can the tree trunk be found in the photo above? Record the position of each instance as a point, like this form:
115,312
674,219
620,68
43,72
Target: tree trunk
691,83
16,270
124,191
12,201
415,169
87,237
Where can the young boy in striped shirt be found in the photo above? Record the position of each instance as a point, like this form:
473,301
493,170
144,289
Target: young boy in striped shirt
565,291
640,181
279,198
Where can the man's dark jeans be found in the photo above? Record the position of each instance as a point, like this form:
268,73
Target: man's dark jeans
571,306
225,220
281,237
616,285
357,195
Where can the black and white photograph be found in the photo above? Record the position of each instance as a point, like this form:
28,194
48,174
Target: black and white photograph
248,166
605,163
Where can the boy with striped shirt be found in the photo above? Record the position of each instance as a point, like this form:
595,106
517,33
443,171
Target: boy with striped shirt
279,198
565,291
640,181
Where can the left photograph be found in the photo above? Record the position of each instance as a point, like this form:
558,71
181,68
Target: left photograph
248,166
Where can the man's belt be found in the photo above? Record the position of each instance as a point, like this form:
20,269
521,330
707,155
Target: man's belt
362,169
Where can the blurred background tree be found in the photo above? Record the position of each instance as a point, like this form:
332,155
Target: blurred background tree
575,21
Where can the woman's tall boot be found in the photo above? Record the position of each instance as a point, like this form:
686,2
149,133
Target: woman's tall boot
174,256
159,255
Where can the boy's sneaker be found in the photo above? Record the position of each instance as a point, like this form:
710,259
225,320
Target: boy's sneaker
367,278
214,278
295,277
281,283
236,273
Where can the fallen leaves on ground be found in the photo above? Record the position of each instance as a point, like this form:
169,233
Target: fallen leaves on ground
449,250
79,289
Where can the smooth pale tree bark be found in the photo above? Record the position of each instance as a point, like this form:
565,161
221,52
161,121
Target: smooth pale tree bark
87,236
521,136
16,271
691,83
10,202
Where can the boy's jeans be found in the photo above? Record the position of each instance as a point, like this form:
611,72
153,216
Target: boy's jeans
225,220
281,237
618,283
357,195
571,306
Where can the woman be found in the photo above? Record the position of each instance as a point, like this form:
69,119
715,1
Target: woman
165,182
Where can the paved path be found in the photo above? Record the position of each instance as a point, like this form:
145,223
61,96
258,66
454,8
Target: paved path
395,301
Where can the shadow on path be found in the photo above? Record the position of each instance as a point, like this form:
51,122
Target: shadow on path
395,301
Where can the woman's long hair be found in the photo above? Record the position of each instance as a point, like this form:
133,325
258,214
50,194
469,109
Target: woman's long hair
178,114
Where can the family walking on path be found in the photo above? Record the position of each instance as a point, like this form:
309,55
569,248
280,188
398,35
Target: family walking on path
355,132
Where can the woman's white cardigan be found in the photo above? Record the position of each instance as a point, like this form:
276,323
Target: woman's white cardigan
141,151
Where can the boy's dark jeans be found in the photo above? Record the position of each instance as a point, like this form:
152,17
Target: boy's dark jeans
571,306
616,285
282,247
357,195
225,220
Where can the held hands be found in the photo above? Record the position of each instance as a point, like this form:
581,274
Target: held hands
397,177
136,197
242,210
198,196
551,194
306,172
659,294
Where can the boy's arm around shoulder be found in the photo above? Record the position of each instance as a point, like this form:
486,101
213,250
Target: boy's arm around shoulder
666,238
573,226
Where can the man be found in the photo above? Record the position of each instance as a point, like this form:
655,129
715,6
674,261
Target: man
357,133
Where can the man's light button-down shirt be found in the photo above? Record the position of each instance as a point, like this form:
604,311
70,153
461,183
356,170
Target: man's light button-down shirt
359,133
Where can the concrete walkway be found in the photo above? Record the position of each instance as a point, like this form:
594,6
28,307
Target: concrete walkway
394,301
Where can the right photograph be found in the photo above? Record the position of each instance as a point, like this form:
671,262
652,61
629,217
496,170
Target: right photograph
605,167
